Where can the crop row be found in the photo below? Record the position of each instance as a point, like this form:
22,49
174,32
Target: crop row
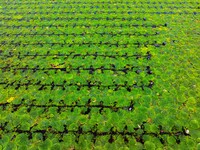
28,19
96,25
42,86
81,26
79,69
102,2
88,43
34,34
56,18
84,49
128,101
138,133
68,36
106,10
39,7
73,55
62,107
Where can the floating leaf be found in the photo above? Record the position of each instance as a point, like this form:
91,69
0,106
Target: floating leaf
10,99
149,145
18,17
194,124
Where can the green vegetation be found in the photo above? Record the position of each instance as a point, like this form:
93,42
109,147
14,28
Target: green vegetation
99,75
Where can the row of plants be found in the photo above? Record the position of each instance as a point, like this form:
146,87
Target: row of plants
64,62
71,96
83,16
37,10
104,2
26,18
107,22
82,9
37,33
58,49
66,55
19,27
84,40
140,30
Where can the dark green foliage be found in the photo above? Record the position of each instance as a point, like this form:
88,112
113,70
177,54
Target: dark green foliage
99,75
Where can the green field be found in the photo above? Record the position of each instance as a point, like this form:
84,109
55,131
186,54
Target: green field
99,75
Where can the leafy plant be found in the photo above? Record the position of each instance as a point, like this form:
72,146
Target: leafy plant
99,75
